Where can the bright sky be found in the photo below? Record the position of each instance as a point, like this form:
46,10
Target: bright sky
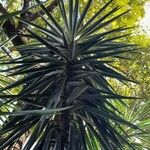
145,22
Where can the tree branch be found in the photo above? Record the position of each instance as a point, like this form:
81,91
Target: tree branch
50,8
24,15
10,29
3,10
9,26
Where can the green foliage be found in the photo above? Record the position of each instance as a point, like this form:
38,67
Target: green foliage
4,81
138,113
68,75
67,65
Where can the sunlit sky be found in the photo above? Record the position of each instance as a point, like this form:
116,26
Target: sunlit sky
145,21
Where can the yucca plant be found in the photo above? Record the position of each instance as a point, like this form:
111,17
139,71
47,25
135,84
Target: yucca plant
66,97
4,81
138,113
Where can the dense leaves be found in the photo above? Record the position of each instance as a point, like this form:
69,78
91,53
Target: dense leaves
66,98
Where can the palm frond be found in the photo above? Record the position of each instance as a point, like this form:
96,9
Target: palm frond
67,66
